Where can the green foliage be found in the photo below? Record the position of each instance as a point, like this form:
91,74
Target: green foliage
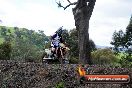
128,36
72,41
125,60
3,31
92,45
25,51
29,45
124,40
65,36
118,39
1,40
47,45
74,60
26,44
103,56
5,50
60,85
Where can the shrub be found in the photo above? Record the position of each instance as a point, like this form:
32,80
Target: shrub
26,52
125,60
74,60
5,50
103,56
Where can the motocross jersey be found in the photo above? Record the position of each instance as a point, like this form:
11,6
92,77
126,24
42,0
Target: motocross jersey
56,40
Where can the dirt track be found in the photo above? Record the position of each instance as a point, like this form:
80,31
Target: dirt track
36,75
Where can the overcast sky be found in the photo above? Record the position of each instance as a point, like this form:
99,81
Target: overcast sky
108,16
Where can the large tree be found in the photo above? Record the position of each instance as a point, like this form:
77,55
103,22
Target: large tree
129,33
82,12
124,40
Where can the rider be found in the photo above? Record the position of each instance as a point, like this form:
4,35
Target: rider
56,39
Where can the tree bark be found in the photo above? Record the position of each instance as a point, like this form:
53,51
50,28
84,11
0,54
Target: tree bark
82,13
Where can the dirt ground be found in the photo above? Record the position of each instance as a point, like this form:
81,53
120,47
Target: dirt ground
37,75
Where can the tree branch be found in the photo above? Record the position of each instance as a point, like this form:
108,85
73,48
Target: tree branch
74,3
59,4
87,0
69,1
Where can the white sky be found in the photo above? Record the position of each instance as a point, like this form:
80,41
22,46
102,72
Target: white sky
108,16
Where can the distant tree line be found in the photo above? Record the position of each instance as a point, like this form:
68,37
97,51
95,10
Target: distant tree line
21,43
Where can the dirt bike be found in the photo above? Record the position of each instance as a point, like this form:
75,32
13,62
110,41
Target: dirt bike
61,56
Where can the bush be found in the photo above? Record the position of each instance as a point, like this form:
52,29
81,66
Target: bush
103,56
5,50
125,60
74,60
26,52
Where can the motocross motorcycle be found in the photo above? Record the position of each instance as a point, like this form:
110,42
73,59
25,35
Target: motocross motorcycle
62,55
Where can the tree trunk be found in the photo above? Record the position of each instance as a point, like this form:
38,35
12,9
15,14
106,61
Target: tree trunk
82,13
84,55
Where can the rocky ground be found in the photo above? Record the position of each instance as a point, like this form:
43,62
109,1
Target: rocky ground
37,75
